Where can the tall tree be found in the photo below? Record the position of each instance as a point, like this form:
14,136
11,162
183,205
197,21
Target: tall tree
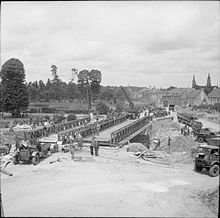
14,92
89,84
55,82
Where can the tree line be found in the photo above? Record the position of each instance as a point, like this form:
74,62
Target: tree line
16,93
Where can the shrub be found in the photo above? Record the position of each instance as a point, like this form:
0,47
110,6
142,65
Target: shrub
71,117
102,108
58,118
119,107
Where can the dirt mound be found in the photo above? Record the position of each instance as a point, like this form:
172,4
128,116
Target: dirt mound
182,149
135,147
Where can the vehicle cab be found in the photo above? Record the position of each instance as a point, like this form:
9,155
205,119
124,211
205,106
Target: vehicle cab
208,158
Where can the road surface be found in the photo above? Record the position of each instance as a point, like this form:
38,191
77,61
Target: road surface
113,184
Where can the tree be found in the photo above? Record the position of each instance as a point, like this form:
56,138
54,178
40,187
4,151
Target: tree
102,108
14,92
89,84
55,82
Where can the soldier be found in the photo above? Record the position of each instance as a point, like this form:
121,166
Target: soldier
169,139
92,144
96,147
72,150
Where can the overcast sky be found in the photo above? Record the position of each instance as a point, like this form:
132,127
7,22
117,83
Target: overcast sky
140,43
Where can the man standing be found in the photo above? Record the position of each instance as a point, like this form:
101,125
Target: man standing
169,139
92,144
96,147
72,150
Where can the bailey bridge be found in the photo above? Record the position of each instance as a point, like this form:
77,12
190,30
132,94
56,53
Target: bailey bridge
112,132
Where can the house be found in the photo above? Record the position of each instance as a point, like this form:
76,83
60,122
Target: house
153,96
196,97
174,97
214,96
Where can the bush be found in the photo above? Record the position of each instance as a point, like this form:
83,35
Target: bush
102,108
58,118
119,107
71,117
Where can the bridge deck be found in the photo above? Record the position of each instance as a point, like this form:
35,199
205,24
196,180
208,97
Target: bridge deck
105,135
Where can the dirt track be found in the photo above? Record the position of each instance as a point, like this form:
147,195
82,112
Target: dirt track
113,184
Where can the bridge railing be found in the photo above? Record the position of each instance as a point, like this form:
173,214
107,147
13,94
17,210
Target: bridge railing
126,131
88,129
34,134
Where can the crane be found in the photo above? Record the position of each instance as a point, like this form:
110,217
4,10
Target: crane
133,113
126,95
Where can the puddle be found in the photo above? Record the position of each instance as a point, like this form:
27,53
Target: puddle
162,186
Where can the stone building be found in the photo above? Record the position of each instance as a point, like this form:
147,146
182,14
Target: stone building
207,88
214,96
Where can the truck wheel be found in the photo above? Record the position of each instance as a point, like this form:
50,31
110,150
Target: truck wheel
200,140
35,159
197,168
214,170
15,160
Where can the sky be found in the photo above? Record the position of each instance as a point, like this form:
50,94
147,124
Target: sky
136,43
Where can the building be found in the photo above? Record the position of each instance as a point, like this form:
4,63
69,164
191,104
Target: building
174,97
153,96
207,88
214,96
195,97
184,97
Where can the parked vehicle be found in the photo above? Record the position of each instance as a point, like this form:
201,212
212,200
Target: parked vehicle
204,135
214,141
28,152
186,118
208,158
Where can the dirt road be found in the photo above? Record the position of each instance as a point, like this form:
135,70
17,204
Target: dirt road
113,184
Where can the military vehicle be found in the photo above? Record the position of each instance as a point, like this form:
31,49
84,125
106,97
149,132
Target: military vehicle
28,152
208,158
204,135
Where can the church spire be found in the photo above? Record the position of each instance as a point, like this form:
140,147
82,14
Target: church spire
193,82
209,81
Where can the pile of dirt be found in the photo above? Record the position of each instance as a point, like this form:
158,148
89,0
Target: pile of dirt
135,147
182,148
210,198
180,144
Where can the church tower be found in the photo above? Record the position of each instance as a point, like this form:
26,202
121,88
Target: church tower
209,81
193,82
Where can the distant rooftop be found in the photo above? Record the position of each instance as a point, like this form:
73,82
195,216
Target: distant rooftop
215,93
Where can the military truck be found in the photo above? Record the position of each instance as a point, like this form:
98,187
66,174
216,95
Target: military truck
204,135
208,158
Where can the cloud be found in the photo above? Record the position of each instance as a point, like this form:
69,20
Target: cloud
140,43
